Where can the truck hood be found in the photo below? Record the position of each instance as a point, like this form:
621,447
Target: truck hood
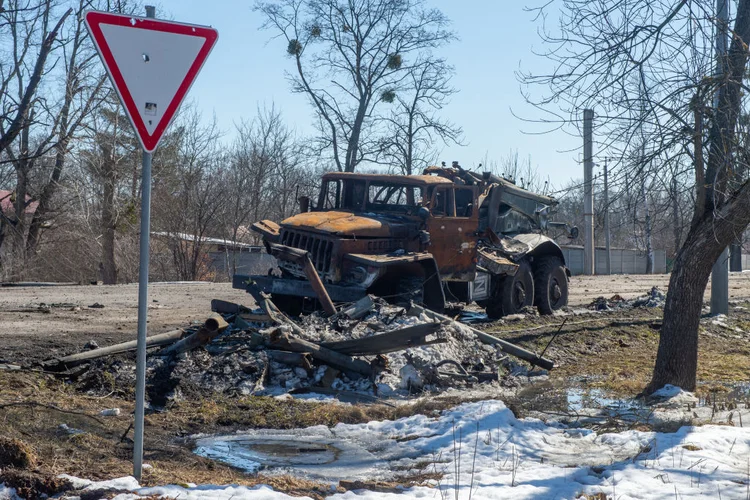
367,225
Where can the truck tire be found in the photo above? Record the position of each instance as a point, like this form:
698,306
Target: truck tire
513,293
551,284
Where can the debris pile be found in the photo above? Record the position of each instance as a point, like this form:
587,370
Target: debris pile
655,298
369,347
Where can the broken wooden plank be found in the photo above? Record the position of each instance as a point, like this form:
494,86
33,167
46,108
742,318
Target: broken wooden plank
226,307
312,276
276,315
84,357
255,317
213,326
281,339
247,314
359,309
302,359
507,347
392,341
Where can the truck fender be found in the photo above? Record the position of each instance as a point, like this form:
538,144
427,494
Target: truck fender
540,245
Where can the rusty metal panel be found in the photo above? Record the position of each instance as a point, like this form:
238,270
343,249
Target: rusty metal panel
494,262
268,228
384,260
453,242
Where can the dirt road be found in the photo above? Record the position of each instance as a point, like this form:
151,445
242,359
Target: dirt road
44,322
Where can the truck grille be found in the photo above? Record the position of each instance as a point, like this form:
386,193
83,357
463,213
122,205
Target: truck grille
320,249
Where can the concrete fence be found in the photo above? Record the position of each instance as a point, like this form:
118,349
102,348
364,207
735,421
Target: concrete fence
254,260
623,260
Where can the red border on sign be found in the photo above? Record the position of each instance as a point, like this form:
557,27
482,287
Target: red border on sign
95,19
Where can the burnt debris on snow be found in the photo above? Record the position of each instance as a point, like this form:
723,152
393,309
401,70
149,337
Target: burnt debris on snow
368,349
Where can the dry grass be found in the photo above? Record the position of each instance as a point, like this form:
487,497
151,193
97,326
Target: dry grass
619,357
33,407
16,454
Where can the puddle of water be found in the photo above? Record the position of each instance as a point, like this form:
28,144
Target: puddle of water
252,455
315,453
579,401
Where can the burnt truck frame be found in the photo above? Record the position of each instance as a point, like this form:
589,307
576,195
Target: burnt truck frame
446,234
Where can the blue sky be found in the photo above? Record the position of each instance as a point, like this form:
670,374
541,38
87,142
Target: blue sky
496,39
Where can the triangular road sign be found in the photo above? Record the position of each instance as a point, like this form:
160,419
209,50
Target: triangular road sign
152,64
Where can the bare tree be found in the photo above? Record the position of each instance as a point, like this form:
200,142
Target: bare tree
262,177
31,39
351,57
188,208
31,31
612,56
414,125
81,93
108,156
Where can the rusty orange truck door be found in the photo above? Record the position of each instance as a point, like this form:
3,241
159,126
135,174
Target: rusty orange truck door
453,224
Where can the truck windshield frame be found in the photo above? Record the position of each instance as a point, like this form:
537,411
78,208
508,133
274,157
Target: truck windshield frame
360,195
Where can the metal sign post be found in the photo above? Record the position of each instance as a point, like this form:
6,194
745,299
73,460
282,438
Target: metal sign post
152,65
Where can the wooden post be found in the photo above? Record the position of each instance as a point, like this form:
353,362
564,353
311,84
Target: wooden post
317,284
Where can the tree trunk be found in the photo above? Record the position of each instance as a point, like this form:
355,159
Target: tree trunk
109,226
723,216
45,200
677,356
18,229
676,223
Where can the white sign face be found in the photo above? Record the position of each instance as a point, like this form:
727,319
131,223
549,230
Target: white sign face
152,65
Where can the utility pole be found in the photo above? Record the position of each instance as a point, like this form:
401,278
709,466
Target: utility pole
588,192
607,234
649,245
647,212
720,270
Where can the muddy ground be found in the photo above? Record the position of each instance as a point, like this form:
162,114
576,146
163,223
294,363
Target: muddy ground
612,351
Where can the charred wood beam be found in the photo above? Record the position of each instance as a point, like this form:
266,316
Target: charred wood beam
280,339
359,309
383,343
302,359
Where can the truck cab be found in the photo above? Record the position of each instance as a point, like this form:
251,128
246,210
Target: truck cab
447,232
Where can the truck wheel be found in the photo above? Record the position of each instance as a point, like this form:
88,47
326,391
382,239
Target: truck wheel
513,294
551,284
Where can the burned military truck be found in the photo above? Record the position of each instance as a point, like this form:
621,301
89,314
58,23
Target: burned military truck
448,235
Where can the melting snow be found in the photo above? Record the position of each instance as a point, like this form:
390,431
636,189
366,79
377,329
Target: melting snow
483,447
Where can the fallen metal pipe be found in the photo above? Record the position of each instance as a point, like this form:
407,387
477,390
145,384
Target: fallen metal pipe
213,326
511,349
83,357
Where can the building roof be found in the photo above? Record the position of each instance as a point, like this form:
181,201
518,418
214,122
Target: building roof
205,239
6,202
